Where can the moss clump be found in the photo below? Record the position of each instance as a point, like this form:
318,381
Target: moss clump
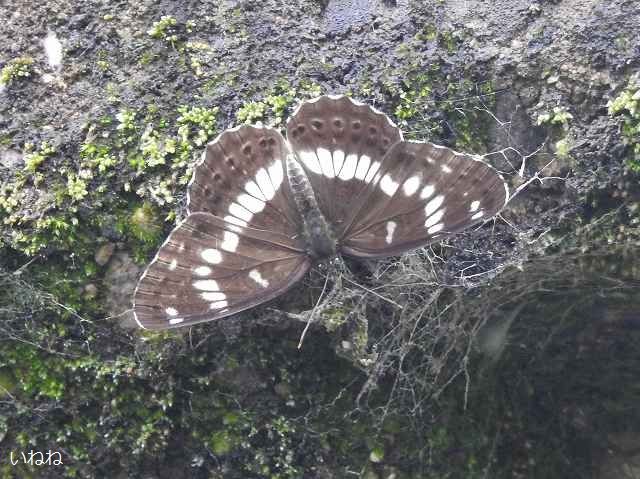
144,223
412,93
563,147
16,69
251,112
429,103
163,29
98,156
34,159
196,124
558,116
626,106
448,40
274,107
8,384
76,187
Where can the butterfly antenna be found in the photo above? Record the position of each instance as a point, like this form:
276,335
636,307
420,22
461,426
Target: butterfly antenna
313,311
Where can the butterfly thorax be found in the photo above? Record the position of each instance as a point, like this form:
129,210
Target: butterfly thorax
318,235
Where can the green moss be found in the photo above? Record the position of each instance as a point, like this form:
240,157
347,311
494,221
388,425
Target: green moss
558,116
412,94
222,442
563,147
102,65
76,187
38,375
196,124
146,57
428,33
98,156
334,318
126,122
163,29
16,69
33,159
626,107
429,105
279,105
251,112
377,454
8,384
198,54
448,40
144,227
278,102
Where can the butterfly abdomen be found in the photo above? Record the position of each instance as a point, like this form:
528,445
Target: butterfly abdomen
318,235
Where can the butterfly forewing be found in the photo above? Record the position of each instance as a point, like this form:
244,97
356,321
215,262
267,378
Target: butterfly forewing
209,268
242,179
423,193
340,143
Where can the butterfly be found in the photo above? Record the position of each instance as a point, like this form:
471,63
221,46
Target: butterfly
264,209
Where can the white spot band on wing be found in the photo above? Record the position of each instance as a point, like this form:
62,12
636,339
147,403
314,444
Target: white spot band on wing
310,160
338,161
264,183
411,185
254,190
239,212
230,241
276,173
202,271
235,221
250,203
213,296
349,167
206,285
391,228
218,305
434,218
427,192
433,205
326,162
211,255
388,186
373,169
363,166
255,275
435,228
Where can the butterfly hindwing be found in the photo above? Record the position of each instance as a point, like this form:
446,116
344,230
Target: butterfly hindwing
242,178
423,193
340,143
209,268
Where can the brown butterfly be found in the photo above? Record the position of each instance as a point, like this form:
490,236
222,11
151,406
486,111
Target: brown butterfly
263,209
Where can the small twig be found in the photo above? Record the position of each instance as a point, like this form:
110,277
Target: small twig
399,306
313,311
24,266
